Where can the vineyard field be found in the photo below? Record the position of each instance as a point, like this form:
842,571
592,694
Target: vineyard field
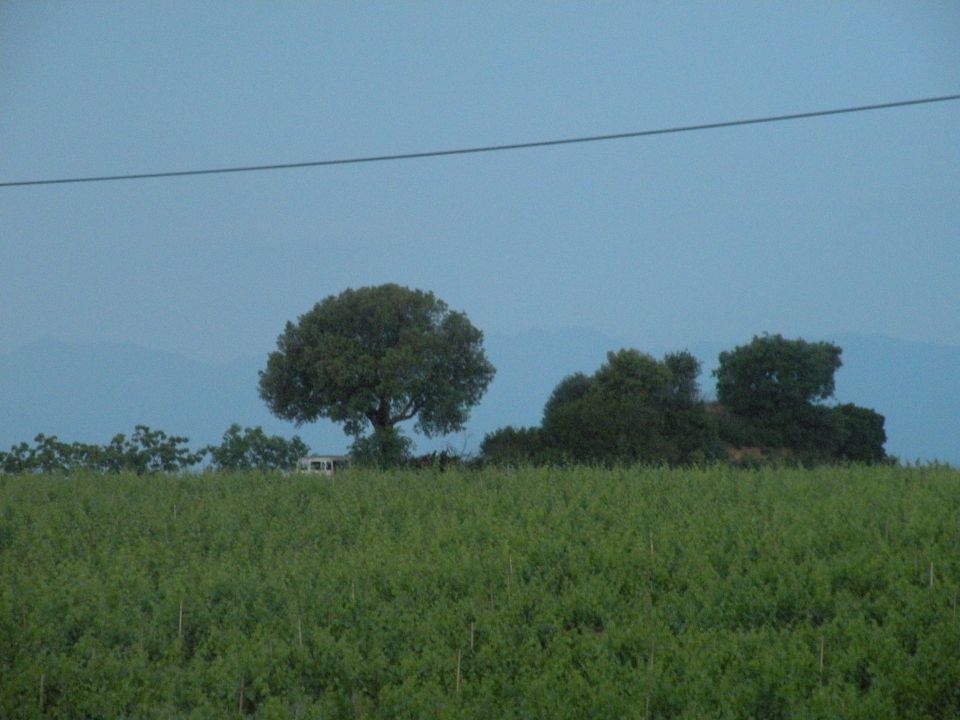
493,593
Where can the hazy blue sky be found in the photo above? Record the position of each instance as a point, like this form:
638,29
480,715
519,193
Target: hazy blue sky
809,228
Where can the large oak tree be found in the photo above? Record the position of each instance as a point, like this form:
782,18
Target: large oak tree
373,357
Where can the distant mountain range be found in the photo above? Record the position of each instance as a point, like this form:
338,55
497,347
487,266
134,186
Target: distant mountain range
92,391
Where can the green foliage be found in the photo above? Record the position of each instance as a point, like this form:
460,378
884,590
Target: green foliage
771,391
377,356
606,427
570,390
385,447
253,449
513,446
632,409
582,593
684,370
153,451
145,451
772,375
634,374
860,434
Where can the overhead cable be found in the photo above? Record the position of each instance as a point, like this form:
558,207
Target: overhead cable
486,148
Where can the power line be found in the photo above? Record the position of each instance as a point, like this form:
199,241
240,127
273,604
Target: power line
488,148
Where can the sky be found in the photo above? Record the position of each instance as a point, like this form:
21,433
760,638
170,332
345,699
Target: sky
808,228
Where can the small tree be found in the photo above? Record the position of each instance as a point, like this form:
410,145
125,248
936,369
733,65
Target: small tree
774,390
252,449
774,376
374,357
150,451
50,455
634,408
513,446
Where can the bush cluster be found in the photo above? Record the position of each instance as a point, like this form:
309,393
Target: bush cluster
148,451
635,408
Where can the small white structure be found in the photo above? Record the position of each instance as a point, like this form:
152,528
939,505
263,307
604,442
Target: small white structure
323,464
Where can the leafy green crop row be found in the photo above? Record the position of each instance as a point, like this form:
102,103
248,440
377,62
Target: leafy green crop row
580,593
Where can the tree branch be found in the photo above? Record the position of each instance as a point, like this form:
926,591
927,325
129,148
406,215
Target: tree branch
411,409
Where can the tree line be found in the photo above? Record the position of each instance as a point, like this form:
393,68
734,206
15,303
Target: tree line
146,450
375,357
636,409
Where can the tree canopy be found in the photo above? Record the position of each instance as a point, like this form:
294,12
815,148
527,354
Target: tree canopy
634,408
773,389
252,449
373,357
772,374
144,451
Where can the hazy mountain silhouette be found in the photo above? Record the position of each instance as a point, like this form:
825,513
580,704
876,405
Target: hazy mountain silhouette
91,391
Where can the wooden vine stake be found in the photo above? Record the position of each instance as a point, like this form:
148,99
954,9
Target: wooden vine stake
931,573
42,678
653,650
240,701
180,621
822,642
473,625
459,657
300,632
